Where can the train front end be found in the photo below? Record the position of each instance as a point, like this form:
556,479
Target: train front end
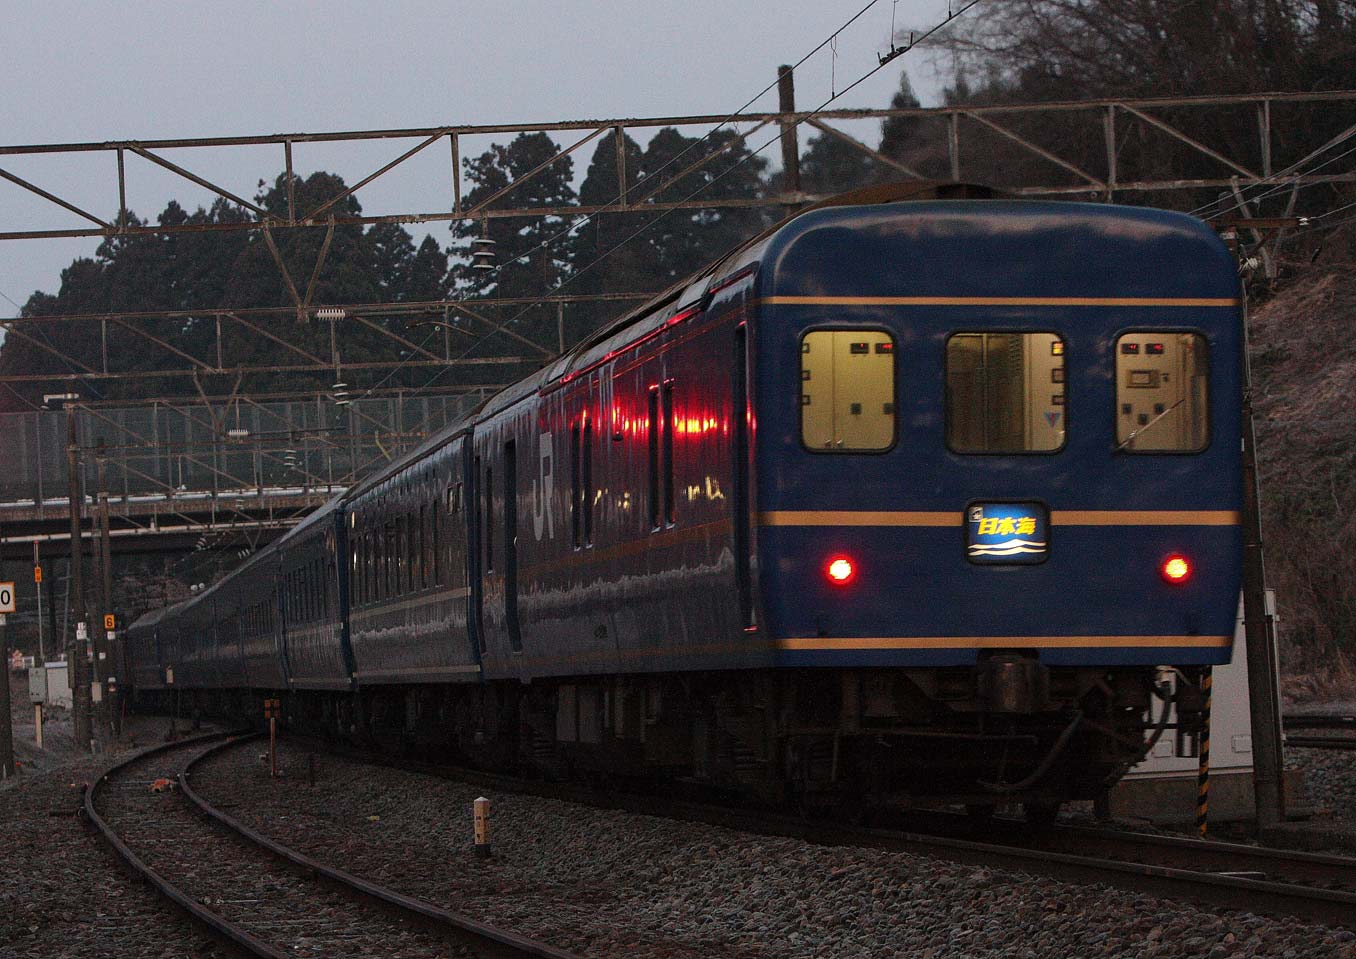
997,469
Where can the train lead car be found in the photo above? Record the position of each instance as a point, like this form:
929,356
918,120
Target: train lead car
912,496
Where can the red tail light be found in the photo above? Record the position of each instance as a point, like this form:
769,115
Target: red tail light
840,570
1176,569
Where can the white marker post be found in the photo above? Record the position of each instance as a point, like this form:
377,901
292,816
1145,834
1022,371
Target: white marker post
481,815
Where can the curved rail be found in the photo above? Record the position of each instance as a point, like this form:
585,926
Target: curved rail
479,938
487,939
221,927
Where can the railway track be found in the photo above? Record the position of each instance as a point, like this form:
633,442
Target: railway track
256,895
1319,721
1321,742
1256,879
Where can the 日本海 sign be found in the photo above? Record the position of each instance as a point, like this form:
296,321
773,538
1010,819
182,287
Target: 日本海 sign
1001,533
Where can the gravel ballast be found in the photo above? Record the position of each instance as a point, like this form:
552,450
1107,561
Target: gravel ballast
62,892
607,883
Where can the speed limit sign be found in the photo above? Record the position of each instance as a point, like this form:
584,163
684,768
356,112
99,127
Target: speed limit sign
7,604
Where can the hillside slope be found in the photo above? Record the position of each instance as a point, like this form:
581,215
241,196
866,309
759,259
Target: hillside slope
1304,370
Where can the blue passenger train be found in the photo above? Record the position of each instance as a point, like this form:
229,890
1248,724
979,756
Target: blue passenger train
917,494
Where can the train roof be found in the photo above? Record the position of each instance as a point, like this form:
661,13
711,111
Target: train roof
941,246
653,313
436,439
155,616
312,518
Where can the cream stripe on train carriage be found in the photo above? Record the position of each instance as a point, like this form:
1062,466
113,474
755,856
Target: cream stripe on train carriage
824,643
1110,517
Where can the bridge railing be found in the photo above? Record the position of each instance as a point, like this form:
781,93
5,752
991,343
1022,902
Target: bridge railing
241,446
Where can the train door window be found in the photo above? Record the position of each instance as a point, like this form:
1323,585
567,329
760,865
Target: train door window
654,458
575,490
1162,392
489,519
847,397
427,522
360,581
511,546
455,526
367,566
418,571
354,559
435,543
670,511
1005,393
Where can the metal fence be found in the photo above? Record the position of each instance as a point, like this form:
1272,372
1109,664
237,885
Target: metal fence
183,449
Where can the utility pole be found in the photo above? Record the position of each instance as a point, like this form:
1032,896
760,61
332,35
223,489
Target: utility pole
6,727
1258,627
786,103
109,660
77,658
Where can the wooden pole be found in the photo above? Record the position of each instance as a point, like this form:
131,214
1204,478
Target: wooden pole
6,723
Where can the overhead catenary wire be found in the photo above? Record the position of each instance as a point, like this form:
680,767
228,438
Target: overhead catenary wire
578,222
895,52
1285,173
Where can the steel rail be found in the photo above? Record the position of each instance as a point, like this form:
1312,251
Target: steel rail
1302,721
1321,742
483,938
223,929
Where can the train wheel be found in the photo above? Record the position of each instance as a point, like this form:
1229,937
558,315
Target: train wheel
1041,813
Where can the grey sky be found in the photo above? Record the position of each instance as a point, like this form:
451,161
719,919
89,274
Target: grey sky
143,70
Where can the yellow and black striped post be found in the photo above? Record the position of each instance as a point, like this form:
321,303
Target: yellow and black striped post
1203,772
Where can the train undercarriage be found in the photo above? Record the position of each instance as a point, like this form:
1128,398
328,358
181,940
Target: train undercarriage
1005,731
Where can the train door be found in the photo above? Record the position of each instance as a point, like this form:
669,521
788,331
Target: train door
511,546
477,510
454,541
739,472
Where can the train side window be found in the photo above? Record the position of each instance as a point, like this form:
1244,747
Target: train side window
670,512
847,390
1162,392
654,458
1005,393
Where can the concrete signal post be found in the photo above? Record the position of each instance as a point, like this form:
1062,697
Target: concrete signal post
82,726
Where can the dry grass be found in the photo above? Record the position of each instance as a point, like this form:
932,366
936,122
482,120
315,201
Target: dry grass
1304,370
